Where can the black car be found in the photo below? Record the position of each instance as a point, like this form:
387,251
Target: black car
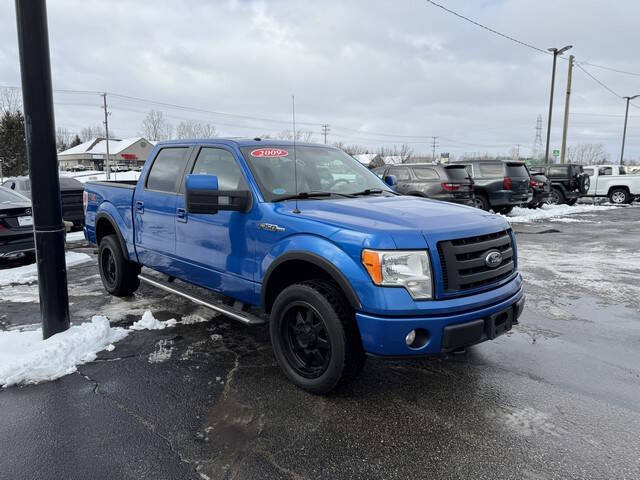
16,224
541,187
70,196
449,183
500,185
569,182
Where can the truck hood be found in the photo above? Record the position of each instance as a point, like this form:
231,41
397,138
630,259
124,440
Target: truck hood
402,217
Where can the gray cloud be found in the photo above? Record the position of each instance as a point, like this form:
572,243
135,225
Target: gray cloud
404,68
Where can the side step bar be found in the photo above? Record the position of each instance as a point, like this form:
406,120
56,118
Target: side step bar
218,306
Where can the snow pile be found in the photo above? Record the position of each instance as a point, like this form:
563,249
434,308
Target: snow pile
524,215
29,273
149,322
26,358
75,236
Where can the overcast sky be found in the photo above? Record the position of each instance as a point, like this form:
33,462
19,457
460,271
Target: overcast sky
402,68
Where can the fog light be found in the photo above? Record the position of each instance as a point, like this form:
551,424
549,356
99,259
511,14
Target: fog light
410,338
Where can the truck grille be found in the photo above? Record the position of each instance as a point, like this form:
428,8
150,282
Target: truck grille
463,261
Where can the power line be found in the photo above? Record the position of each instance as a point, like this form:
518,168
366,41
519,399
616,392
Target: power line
495,32
611,69
595,79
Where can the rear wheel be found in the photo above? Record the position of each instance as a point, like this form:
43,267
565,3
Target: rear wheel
572,201
556,197
119,276
619,196
315,337
504,210
481,202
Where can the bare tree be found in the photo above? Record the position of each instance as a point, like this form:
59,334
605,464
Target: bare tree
63,138
94,131
403,151
301,135
10,100
351,149
193,129
156,127
587,154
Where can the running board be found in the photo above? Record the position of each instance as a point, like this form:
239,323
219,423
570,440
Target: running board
239,315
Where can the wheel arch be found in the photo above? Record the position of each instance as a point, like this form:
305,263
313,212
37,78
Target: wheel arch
295,266
106,225
618,187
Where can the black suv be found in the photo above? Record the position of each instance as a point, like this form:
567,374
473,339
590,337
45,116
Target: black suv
499,185
569,182
449,183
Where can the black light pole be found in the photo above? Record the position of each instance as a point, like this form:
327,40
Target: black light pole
33,44
624,130
555,52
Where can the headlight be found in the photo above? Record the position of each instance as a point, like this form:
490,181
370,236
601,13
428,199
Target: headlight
408,269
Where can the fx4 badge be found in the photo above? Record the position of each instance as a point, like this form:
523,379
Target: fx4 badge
270,227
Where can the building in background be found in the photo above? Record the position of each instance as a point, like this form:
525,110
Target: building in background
125,154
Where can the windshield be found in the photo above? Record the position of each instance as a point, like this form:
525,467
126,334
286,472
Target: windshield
320,169
8,196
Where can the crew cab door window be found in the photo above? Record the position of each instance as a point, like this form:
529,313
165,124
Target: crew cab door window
605,171
589,171
402,174
167,168
215,161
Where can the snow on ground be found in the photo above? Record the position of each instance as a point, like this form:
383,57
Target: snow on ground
149,322
29,273
26,358
75,236
525,215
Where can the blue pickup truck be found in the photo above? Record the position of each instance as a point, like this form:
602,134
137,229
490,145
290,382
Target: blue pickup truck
307,239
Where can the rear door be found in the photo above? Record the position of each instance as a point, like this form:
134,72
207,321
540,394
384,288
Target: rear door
154,208
403,177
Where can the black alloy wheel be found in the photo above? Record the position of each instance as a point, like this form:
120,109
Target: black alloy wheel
306,344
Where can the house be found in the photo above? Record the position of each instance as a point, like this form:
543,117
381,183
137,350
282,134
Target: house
392,160
125,154
369,160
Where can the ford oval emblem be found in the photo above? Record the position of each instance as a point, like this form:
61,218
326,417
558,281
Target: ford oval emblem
493,259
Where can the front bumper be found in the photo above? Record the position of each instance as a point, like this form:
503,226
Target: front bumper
385,336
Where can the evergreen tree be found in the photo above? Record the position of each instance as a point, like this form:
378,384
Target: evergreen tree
13,147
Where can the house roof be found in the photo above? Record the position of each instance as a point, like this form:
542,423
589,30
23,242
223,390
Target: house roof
365,158
99,145
392,159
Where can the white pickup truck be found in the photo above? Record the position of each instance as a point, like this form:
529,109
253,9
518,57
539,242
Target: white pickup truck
613,181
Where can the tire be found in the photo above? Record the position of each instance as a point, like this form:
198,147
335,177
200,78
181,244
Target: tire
572,201
481,202
556,197
619,196
30,257
119,276
584,182
504,210
316,314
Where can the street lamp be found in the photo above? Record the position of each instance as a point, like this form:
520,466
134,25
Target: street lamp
624,130
555,52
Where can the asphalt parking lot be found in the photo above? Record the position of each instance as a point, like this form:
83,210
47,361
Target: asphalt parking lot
557,397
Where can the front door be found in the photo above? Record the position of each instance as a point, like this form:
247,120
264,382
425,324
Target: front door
154,208
217,250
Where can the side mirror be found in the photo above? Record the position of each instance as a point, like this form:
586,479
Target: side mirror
391,180
203,196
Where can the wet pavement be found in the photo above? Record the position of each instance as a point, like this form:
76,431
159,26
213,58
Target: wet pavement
557,397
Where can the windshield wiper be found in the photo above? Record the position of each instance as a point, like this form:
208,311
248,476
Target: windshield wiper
303,195
368,191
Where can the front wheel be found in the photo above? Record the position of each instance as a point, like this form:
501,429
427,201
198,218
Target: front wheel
315,338
119,276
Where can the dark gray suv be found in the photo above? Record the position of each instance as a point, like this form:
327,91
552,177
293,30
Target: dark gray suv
449,183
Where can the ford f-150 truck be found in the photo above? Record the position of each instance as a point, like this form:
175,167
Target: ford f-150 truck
307,239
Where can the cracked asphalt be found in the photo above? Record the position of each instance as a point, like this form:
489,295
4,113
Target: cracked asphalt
557,397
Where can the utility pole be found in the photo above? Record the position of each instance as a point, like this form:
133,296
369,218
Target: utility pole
325,129
566,111
107,167
517,151
555,52
537,142
434,144
624,130
37,97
